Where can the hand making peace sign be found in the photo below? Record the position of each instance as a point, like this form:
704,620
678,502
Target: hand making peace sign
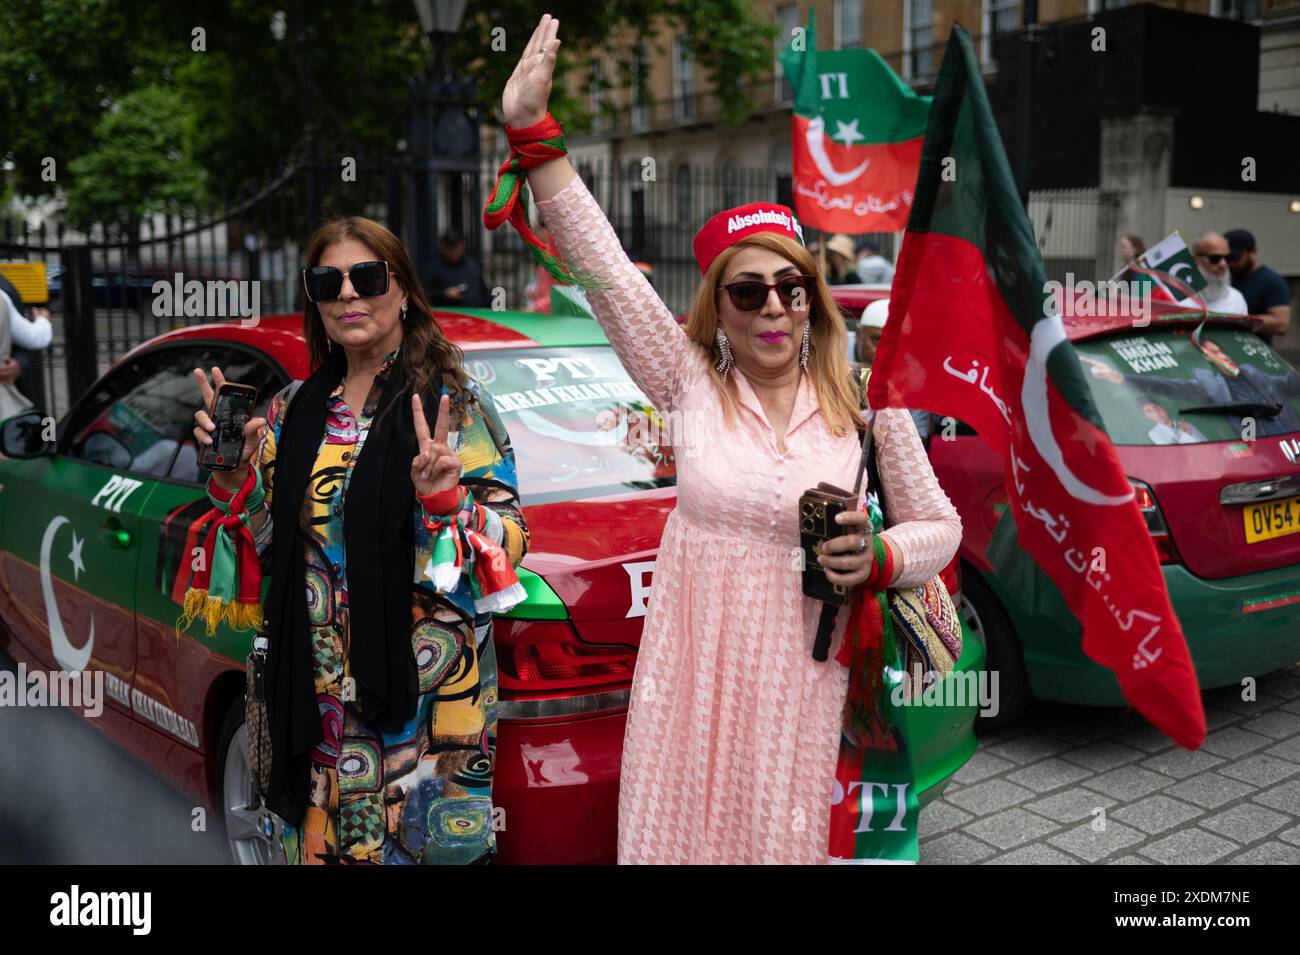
436,468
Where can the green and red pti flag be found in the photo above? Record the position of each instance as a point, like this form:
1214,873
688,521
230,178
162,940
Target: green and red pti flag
857,139
973,332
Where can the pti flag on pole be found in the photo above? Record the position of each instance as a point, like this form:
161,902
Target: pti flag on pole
856,138
974,332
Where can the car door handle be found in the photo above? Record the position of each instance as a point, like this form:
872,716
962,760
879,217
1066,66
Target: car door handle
115,535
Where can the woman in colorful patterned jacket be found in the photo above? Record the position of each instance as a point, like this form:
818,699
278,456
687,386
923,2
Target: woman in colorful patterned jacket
734,730
382,493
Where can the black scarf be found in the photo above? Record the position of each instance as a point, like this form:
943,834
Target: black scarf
380,548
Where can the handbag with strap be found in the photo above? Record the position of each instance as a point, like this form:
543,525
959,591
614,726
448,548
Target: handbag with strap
925,615
257,721
257,711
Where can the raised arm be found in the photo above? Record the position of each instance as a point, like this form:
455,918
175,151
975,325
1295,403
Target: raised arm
29,333
924,530
650,344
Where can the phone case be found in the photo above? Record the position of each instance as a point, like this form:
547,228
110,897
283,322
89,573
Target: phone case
228,440
817,510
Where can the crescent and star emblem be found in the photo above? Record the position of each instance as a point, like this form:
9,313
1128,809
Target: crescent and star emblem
815,136
70,658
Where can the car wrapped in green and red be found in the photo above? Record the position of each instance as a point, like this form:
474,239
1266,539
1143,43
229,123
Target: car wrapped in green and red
95,524
1205,418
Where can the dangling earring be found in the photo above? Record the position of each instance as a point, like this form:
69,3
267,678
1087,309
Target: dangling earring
403,311
803,348
725,362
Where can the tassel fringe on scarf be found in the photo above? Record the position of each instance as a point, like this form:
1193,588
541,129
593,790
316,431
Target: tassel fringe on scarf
226,585
530,146
457,538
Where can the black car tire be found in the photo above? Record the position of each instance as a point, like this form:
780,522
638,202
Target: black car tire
1002,649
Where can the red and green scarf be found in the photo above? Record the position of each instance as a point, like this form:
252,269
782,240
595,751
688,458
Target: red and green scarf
874,806
227,577
457,537
530,146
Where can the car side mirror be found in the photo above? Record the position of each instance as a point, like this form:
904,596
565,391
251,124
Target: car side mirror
22,436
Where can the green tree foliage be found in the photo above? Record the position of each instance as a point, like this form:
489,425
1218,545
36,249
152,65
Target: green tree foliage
61,63
272,70
138,165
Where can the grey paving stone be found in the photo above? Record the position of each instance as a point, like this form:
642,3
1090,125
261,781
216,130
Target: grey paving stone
1285,685
1010,828
1083,731
1277,724
1232,742
1292,707
1028,748
1032,855
1291,835
1181,763
1229,698
1216,718
1245,823
981,766
1022,727
941,815
1103,755
1127,782
1156,813
1071,805
1261,769
1146,738
990,796
1284,798
1287,749
1209,790
1188,847
1130,860
953,849
1092,846
1270,853
1048,774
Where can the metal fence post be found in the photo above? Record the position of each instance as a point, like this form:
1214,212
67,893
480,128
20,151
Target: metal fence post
34,381
79,337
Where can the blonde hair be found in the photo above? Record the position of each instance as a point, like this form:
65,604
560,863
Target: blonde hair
828,364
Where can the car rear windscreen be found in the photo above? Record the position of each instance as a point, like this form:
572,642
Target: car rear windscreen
579,426
1180,386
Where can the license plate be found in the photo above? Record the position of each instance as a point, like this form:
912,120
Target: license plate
1271,519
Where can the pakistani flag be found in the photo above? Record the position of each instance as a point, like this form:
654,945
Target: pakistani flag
857,139
974,333
1170,270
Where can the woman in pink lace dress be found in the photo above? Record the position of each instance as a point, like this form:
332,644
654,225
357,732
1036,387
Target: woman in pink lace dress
733,729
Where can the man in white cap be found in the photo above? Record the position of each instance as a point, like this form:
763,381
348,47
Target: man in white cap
870,326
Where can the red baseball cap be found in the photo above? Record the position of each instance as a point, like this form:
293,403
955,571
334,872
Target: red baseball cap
727,228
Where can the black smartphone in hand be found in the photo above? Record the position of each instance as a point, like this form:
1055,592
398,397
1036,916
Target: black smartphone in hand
231,410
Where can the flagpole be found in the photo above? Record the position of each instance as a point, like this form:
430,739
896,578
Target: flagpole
821,256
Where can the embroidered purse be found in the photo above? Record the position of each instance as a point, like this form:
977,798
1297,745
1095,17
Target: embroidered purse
924,615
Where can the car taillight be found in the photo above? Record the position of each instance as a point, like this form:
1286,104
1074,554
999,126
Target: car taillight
1155,521
544,670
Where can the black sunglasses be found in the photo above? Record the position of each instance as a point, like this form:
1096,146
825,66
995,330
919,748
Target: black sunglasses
324,283
748,295
1214,258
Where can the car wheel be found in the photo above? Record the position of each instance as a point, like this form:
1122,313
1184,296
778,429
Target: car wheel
983,613
253,830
